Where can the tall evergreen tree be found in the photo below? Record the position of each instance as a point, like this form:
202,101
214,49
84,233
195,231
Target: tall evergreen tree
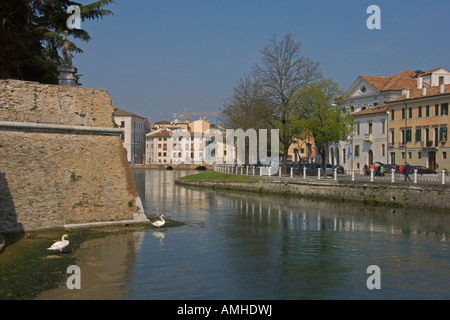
31,33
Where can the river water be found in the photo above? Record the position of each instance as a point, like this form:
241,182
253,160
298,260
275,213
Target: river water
246,246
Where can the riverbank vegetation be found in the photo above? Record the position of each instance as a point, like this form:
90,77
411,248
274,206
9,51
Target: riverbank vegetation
213,176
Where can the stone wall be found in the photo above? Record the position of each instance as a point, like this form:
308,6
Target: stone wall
434,197
61,159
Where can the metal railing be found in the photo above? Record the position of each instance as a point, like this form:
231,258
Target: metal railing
333,174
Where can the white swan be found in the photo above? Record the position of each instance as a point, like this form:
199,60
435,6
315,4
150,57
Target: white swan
159,224
60,245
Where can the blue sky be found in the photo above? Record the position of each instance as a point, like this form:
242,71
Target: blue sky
158,57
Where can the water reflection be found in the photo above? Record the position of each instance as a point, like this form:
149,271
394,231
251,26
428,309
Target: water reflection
247,246
270,247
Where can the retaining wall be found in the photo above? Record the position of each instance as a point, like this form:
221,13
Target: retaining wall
62,161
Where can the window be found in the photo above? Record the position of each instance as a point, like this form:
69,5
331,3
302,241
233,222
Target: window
383,150
403,156
436,110
392,137
410,113
419,111
392,115
403,114
392,157
383,126
444,155
356,151
441,80
409,155
358,129
444,109
370,127
427,111
408,135
418,135
122,124
419,155
443,133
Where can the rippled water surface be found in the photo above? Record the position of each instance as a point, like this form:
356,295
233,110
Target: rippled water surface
247,246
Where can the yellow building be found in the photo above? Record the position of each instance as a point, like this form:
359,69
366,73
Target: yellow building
302,149
418,127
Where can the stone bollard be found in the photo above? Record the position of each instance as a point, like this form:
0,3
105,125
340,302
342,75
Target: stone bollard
304,172
292,172
415,175
443,176
353,175
371,175
318,173
335,174
392,175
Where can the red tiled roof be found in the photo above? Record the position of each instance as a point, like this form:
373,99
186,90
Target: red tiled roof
122,113
382,108
396,82
160,134
417,93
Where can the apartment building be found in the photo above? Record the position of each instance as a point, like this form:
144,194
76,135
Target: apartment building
368,92
186,144
368,145
134,128
418,126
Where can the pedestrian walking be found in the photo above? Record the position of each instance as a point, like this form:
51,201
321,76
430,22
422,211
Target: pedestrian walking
406,172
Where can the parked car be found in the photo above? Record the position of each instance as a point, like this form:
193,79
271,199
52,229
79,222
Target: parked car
422,170
340,169
386,169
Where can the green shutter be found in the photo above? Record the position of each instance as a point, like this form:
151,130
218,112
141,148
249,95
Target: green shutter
420,111
418,135
408,135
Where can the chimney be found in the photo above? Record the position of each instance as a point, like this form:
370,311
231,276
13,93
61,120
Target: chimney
405,92
424,91
419,82
442,88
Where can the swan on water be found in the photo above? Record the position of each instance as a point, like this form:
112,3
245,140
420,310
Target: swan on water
159,224
60,245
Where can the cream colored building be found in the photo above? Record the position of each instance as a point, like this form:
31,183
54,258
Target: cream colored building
196,142
133,138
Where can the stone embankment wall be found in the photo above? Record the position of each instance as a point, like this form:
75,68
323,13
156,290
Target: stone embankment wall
397,195
61,159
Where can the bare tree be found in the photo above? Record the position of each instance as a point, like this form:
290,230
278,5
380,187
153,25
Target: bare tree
282,73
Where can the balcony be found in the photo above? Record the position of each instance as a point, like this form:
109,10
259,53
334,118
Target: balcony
428,145
368,137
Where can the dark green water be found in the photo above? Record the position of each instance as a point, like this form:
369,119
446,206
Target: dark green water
246,246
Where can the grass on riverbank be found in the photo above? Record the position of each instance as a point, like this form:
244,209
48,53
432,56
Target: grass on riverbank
218,176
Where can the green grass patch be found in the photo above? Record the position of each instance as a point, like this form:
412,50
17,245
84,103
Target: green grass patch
218,176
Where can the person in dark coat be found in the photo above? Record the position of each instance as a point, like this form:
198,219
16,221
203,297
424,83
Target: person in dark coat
406,172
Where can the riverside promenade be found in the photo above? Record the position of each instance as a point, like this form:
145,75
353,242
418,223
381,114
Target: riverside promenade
430,193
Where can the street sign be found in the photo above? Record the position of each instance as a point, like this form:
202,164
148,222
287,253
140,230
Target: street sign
349,154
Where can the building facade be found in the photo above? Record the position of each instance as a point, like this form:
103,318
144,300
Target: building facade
368,145
418,127
133,138
369,92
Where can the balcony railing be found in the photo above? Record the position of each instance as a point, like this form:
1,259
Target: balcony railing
368,137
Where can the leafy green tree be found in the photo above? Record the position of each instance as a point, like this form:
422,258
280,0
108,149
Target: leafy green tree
318,109
31,33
